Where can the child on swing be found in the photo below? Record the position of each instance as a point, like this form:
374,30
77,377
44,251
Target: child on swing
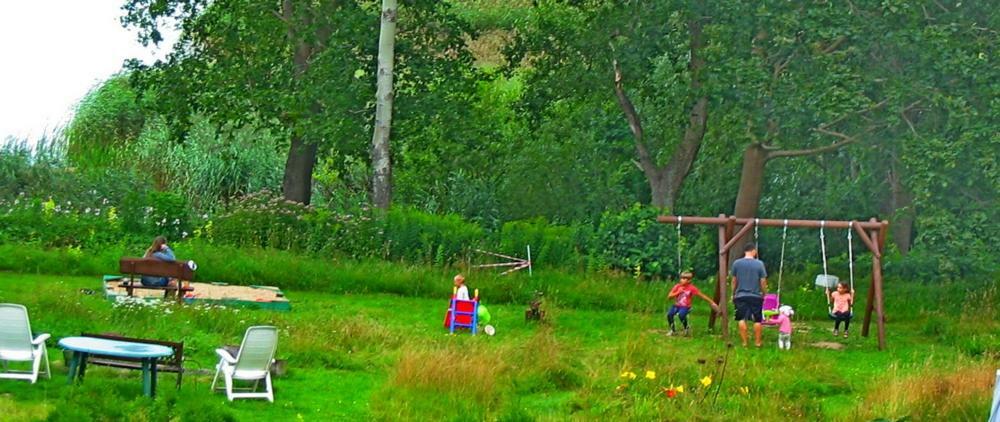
842,300
683,293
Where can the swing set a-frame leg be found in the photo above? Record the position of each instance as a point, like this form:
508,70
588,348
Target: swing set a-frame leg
875,293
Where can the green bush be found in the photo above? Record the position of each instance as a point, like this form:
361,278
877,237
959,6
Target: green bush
417,236
264,220
551,245
56,224
635,242
106,120
153,213
209,165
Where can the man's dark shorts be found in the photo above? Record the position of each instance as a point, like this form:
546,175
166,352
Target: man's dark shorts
749,309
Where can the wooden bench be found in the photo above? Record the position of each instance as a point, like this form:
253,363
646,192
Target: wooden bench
136,267
174,363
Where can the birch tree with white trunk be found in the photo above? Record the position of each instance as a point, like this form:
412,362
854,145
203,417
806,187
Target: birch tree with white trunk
381,158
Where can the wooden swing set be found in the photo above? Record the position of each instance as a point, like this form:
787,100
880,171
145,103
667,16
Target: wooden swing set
872,233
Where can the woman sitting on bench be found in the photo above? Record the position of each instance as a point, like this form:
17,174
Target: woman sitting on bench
159,250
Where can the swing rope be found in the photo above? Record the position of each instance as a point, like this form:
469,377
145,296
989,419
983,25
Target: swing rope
756,225
826,274
680,269
850,261
781,265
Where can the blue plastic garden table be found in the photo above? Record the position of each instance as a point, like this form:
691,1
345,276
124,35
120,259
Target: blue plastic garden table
148,354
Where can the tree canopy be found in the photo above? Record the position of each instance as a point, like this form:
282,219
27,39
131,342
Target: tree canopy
570,110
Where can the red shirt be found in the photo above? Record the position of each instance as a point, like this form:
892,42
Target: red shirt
684,294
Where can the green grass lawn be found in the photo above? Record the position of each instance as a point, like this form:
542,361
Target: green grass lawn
386,357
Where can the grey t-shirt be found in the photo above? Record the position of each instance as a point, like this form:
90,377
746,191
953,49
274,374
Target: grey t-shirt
748,272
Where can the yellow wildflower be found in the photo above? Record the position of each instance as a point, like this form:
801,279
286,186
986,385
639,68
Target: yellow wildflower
745,390
628,374
651,375
680,389
707,381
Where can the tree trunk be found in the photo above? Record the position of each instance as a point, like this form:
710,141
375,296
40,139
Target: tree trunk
381,158
901,209
661,195
751,181
297,184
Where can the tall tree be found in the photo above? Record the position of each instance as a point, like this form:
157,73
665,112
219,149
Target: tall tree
648,59
381,158
665,180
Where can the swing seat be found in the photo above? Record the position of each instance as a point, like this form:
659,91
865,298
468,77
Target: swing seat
827,281
849,315
770,308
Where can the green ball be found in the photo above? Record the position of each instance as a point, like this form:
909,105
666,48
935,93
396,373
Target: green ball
484,315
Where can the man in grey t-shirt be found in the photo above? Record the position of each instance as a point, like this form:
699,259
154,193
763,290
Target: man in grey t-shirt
749,283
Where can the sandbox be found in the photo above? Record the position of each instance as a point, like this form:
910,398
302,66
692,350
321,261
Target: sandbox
261,297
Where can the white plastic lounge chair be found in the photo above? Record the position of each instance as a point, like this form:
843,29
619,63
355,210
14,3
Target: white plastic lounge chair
252,363
17,345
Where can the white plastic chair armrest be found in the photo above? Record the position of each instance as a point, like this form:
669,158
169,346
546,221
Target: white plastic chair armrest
224,354
40,339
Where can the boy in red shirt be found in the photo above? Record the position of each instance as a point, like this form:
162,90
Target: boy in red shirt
683,293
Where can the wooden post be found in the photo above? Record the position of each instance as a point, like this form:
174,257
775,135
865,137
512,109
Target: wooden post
720,285
870,304
718,289
877,281
723,274
735,238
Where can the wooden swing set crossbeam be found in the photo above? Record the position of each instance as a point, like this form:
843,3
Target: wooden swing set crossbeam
872,233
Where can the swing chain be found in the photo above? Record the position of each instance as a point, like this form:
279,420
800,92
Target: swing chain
826,275
756,225
781,265
679,269
850,260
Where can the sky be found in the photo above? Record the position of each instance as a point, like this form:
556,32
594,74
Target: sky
52,52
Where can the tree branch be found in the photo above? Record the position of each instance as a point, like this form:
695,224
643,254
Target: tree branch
813,151
833,46
780,66
280,17
645,159
841,118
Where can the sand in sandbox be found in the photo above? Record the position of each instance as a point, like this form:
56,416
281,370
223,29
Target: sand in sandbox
210,292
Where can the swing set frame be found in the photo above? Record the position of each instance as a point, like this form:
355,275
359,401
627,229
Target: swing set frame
732,229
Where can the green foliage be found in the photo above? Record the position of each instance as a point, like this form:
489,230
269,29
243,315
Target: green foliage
265,220
210,165
153,213
551,245
108,118
416,236
632,241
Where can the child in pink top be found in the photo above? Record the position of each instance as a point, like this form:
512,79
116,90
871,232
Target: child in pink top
784,321
842,300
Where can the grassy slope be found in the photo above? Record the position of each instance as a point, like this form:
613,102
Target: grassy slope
385,357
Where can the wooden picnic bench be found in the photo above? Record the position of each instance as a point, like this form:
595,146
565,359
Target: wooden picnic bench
174,363
136,267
